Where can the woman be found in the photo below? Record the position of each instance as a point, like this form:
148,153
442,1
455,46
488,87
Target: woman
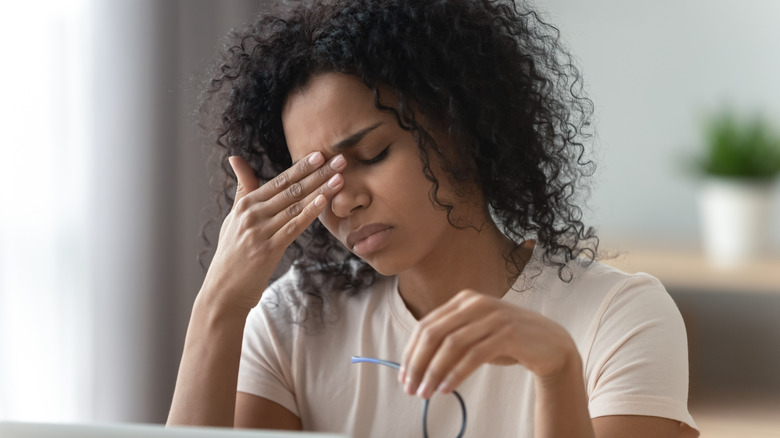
428,153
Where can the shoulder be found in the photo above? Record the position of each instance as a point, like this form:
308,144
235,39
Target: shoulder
597,295
634,349
592,283
626,296
627,300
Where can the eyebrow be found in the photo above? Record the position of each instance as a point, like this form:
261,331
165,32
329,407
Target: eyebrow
352,139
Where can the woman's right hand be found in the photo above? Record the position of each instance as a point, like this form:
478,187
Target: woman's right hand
263,222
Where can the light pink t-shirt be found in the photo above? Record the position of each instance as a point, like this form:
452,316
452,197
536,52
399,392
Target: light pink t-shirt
626,327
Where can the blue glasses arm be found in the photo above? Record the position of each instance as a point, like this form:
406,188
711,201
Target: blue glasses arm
360,359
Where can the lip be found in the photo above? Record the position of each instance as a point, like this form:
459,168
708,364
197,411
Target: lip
364,232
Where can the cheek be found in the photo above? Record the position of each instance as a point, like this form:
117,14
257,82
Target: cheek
329,220
411,187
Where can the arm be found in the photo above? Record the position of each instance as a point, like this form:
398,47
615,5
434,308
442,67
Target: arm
561,410
263,222
260,413
212,352
206,385
473,329
561,401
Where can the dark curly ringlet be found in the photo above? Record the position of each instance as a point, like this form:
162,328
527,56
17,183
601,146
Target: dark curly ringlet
492,73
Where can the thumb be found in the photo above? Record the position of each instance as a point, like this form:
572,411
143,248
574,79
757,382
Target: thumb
245,176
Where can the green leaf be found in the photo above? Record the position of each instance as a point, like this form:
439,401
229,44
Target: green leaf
739,147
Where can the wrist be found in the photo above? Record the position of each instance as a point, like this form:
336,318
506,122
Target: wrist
212,306
567,371
225,296
562,401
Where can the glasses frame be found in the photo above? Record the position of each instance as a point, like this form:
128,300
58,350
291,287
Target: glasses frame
361,359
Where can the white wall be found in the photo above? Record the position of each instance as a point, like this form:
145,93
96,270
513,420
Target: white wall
653,68
103,183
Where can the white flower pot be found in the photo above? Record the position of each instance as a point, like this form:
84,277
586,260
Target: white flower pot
735,216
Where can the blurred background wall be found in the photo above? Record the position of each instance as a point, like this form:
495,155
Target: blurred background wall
103,189
92,314
654,70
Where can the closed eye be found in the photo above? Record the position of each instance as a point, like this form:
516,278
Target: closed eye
381,156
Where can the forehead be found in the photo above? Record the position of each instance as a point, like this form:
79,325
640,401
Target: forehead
327,109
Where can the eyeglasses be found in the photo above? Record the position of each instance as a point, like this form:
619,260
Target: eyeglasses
360,359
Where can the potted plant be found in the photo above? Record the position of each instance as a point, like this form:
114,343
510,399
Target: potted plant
740,162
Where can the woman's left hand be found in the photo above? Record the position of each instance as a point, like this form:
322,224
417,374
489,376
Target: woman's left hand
472,329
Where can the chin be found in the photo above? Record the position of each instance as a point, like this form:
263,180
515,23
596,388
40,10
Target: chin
384,266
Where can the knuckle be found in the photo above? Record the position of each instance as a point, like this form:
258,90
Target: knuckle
476,353
465,293
324,172
291,227
429,335
472,299
505,331
433,374
281,181
466,296
304,169
243,204
295,190
253,241
503,320
454,341
246,220
294,210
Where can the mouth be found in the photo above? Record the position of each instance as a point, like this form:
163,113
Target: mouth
368,238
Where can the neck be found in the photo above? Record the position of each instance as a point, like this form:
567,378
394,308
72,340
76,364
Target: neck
476,260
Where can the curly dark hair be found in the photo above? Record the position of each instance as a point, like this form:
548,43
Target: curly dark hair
493,73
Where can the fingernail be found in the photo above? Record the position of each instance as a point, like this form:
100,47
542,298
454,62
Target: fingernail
401,375
408,387
423,390
319,201
338,162
334,181
316,159
444,387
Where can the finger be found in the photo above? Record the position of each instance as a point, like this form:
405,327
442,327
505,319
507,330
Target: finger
484,351
293,228
246,181
295,184
289,179
447,308
429,336
453,350
291,211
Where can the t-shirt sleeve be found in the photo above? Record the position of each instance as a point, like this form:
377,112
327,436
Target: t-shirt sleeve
265,367
638,364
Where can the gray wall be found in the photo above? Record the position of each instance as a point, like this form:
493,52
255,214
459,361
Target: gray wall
653,69
152,58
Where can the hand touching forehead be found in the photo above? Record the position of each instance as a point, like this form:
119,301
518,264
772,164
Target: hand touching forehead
330,113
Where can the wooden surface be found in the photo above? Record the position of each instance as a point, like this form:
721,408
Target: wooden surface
687,269
739,416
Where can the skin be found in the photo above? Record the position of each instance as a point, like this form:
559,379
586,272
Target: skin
451,279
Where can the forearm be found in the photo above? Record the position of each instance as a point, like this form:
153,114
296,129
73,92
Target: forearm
205,391
562,405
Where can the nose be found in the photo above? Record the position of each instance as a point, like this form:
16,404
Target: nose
352,197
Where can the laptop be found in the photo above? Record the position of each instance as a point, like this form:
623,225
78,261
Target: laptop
126,430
